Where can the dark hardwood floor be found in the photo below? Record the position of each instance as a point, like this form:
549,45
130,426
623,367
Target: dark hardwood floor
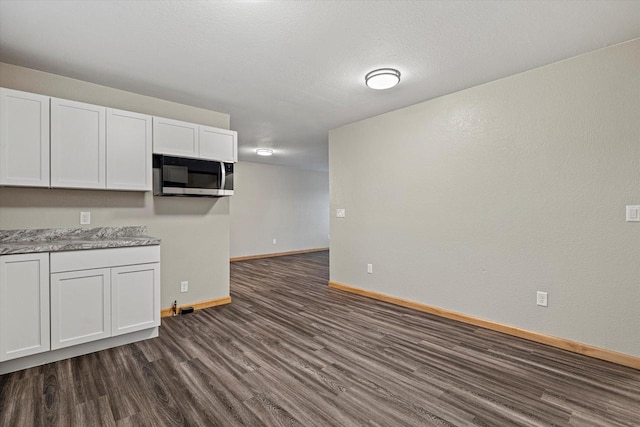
289,351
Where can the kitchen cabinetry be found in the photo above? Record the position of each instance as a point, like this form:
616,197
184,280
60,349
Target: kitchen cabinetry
183,139
135,298
80,307
95,147
58,143
24,305
97,294
24,138
175,138
218,144
51,142
129,142
77,145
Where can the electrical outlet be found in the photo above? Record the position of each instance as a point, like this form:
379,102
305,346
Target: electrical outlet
184,286
275,241
541,299
341,213
370,268
85,218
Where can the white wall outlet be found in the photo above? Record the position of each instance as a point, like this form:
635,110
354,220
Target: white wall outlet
541,299
85,218
340,213
633,213
184,286
275,241
370,268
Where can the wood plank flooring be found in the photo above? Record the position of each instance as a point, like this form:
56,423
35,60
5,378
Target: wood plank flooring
289,351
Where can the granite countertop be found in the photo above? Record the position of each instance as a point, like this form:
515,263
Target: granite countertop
73,239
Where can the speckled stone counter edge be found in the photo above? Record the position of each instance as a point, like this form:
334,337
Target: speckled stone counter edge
72,239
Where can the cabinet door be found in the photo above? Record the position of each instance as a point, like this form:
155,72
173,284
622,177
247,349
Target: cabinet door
175,138
24,138
135,298
128,150
24,305
77,145
80,307
218,144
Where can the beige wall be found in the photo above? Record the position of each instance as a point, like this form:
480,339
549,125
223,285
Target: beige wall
194,232
474,201
288,204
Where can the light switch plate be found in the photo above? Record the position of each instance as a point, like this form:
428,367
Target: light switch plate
633,213
340,213
541,299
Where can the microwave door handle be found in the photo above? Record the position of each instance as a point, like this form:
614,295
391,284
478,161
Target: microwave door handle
223,176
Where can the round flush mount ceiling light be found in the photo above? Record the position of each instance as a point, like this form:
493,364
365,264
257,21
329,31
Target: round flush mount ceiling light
264,152
382,78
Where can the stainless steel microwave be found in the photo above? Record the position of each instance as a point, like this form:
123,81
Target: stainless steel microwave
180,176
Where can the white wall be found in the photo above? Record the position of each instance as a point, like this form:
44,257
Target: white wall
288,204
474,201
194,232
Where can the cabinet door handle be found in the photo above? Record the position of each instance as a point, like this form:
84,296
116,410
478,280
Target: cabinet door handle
223,176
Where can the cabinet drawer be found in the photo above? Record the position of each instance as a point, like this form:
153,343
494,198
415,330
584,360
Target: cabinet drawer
103,258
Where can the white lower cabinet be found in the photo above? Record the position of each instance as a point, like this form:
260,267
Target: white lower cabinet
135,298
24,305
63,304
80,307
101,293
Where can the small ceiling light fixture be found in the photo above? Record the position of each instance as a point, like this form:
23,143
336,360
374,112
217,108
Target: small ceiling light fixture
264,152
382,78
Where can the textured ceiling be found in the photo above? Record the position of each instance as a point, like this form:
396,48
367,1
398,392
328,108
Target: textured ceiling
287,72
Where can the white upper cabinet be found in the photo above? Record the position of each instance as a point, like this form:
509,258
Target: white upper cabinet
77,145
58,143
183,139
218,144
129,158
24,138
100,293
175,138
